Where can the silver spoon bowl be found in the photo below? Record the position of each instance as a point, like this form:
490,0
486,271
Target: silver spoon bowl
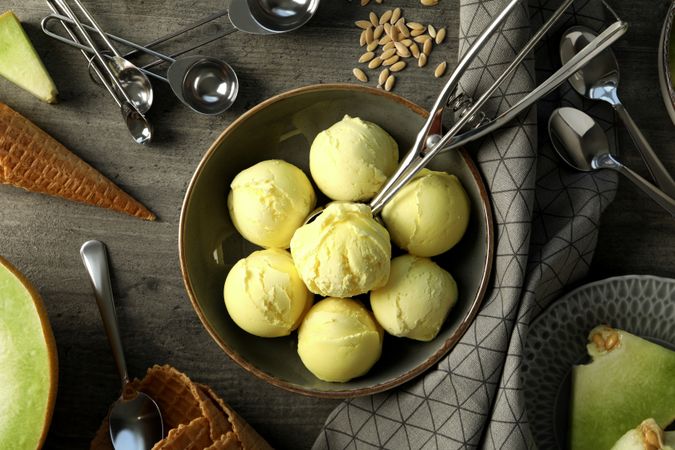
583,145
271,16
135,420
599,80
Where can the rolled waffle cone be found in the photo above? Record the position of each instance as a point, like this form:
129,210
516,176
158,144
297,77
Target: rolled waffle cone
196,417
248,437
193,436
33,160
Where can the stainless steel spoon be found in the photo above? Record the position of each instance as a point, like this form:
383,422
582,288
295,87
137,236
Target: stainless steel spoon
136,422
582,144
599,80
205,84
271,16
138,126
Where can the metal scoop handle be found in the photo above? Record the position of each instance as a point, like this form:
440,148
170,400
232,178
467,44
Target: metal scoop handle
418,157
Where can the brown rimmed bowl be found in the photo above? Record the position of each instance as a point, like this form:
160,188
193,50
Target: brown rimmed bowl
284,127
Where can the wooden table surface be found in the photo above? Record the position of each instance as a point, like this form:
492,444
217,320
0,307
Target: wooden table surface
42,235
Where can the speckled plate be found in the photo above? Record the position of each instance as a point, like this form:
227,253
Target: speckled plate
284,127
642,305
667,62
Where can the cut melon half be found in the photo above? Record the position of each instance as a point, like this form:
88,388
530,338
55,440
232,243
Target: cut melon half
628,379
20,63
28,363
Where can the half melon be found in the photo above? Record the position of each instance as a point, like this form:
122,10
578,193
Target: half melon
28,363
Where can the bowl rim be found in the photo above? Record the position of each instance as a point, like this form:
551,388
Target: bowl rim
343,393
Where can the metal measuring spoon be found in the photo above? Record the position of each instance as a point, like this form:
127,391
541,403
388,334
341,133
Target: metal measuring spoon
135,421
599,80
138,126
205,84
271,16
132,80
582,144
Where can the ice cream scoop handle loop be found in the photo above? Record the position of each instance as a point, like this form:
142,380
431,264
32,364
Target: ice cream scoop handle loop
95,258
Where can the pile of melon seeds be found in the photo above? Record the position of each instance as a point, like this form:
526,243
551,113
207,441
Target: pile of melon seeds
396,41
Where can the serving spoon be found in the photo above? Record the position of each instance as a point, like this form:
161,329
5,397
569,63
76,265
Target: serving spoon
599,80
135,421
582,144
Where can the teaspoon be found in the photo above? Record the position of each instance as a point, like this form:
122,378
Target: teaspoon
599,80
135,421
582,144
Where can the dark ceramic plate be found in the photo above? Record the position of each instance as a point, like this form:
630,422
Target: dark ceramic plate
667,62
640,304
284,127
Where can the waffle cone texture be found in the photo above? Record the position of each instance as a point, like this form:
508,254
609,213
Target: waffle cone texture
33,160
195,418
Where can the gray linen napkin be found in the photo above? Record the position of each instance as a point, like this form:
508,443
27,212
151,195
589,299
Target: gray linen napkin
547,222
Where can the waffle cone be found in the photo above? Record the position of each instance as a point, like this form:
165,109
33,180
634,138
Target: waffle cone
33,160
227,441
248,437
193,436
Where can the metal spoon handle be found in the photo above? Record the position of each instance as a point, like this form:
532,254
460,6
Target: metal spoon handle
654,164
98,28
95,258
607,161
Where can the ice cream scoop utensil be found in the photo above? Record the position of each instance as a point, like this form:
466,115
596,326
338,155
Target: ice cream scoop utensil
204,84
428,145
582,144
600,81
135,420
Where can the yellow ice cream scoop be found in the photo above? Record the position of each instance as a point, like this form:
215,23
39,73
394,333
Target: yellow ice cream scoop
269,201
264,294
416,300
429,215
339,340
352,159
342,253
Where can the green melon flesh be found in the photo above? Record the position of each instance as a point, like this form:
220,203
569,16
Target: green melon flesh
619,388
635,439
20,63
25,366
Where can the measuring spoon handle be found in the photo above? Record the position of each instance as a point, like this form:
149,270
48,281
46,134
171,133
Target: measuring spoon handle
654,164
95,258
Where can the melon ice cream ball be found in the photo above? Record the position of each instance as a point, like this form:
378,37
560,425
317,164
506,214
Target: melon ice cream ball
628,379
264,294
339,340
269,201
342,253
352,159
429,215
416,300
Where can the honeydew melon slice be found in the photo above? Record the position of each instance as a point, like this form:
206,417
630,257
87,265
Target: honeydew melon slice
628,379
28,366
20,63
647,436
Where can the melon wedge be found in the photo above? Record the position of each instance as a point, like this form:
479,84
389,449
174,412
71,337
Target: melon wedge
20,63
628,379
646,436
28,365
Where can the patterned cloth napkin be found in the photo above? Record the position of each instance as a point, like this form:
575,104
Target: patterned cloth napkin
547,223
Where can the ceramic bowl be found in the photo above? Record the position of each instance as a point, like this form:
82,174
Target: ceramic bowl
284,127
667,62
